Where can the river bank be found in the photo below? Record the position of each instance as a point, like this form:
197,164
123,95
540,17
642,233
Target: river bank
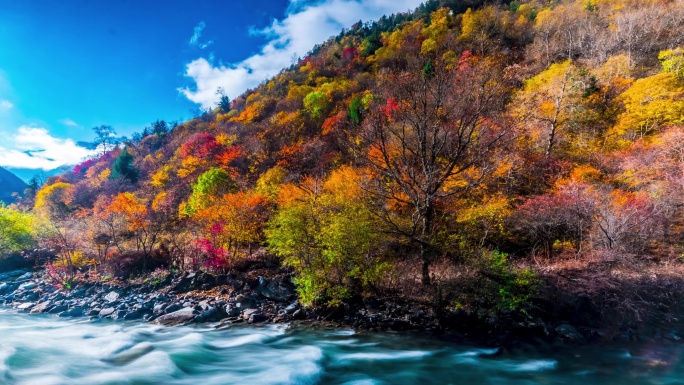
265,294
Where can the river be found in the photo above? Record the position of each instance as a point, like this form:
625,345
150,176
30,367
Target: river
44,350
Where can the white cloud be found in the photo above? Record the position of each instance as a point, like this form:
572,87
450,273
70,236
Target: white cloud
294,36
68,122
35,148
6,104
195,39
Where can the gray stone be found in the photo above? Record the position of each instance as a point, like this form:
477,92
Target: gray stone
112,296
232,311
58,309
120,314
158,309
277,290
253,316
27,286
293,307
106,312
248,313
133,315
25,306
75,312
7,287
568,332
179,317
41,307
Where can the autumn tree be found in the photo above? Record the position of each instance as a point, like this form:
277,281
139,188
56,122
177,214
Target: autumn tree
324,231
16,231
136,214
105,138
431,138
547,103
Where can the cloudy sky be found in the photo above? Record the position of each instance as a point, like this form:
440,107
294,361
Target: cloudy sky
67,66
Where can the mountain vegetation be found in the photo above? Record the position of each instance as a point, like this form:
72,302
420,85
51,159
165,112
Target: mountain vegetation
470,154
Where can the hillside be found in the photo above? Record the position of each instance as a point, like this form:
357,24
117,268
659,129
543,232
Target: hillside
470,157
9,184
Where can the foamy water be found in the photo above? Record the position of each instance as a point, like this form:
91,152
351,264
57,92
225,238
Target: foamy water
44,350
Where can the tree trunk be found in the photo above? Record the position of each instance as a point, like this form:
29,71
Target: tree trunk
425,252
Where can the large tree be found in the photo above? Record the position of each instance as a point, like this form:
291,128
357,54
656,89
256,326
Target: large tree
430,139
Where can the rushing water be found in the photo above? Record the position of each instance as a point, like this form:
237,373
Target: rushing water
43,350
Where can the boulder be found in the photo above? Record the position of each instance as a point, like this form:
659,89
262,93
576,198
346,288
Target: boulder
74,312
180,317
232,310
27,286
25,306
291,308
111,297
172,308
58,309
253,316
133,315
7,287
277,290
41,307
569,333
158,309
106,312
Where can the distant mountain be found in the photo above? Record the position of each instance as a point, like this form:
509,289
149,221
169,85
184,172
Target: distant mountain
26,174
9,184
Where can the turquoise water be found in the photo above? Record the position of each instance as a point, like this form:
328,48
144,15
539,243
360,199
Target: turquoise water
44,350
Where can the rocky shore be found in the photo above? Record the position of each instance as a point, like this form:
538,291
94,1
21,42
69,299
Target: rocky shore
198,297
225,300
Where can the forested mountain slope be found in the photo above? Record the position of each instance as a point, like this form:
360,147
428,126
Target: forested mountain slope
467,147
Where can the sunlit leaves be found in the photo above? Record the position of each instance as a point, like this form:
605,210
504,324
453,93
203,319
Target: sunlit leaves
17,232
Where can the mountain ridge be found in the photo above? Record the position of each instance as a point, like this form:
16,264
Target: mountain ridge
10,184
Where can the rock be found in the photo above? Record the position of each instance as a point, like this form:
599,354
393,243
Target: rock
106,312
120,314
58,309
277,290
299,314
29,296
112,296
41,307
242,302
27,286
7,287
568,332
232,311
74,312
172,308
11,274
25,306
204,305
158,309
25,276
253,316
133,315
179,317
94,312
293,307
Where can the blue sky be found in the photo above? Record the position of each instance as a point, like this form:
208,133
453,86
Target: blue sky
67,66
